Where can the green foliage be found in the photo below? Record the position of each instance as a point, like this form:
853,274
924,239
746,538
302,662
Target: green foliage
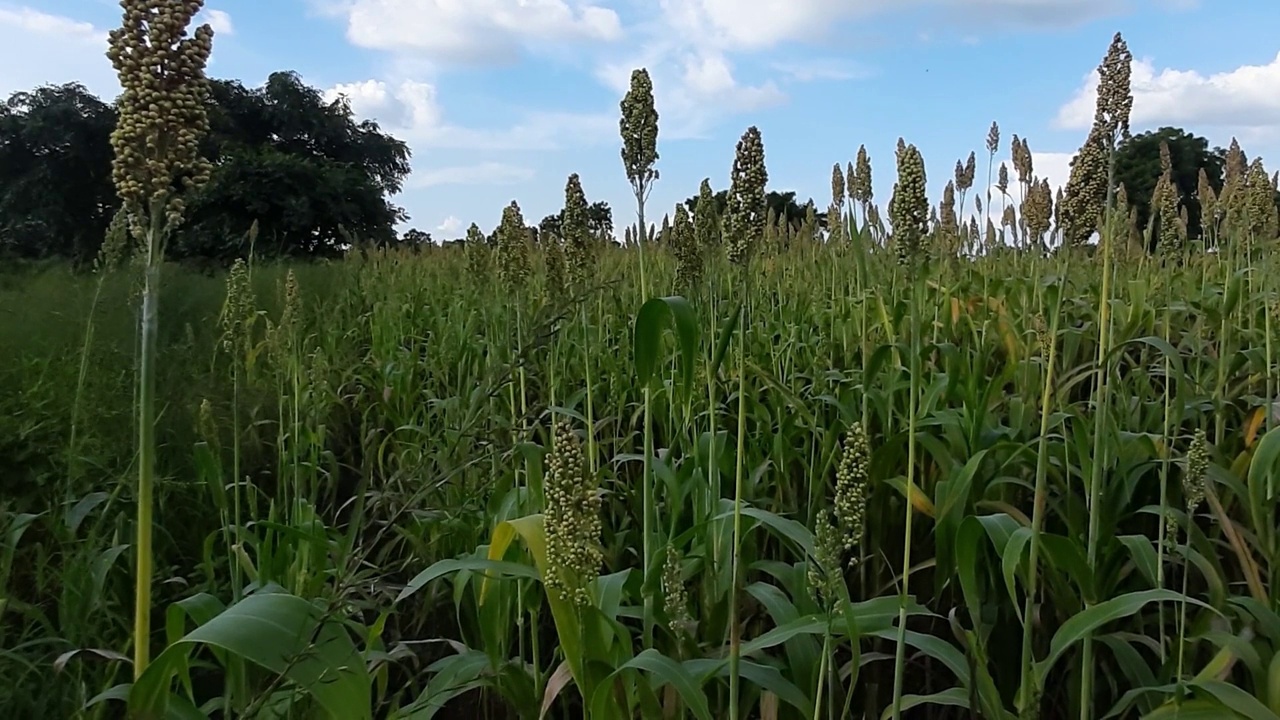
304,169
56,196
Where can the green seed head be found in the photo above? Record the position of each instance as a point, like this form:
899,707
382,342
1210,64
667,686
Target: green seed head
513,247
909,206
947,210
675,598
572,518
824,571
852,485
684,245
639,129
1197,471
706,222
747,211
860,188
162,109
579,250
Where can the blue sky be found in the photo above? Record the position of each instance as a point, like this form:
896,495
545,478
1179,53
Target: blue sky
502,99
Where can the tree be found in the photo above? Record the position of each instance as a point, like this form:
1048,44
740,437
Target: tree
56,196
1138,168
782,203
304,169
312,176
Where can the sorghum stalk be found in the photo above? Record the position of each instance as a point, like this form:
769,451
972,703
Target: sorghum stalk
162,117
908,211
1030,690
746,220
1111,122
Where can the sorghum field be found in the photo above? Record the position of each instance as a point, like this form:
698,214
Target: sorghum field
742,471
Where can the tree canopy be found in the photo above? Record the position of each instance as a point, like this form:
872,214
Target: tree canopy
56,196
1138,168
782,205
302,167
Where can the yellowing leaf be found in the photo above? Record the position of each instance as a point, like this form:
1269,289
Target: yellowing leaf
1251,427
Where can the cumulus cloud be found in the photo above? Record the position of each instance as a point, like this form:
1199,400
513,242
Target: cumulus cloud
37,48
476,30
450,225
1241,98
760,24
485,173
219,20
411,110
1052,166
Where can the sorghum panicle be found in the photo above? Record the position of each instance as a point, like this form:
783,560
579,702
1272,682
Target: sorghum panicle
1193,482
675,597
747,208
162,109
639,128
909,206
239,309
572,518
860,189
684,246
513,247
852,485
706,223
578,248
824,571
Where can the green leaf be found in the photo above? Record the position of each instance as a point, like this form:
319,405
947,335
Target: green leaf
1090,619
445,567
953,697
653,318
282,633
667,672
785,528
1240,702
454,675
1191,710
1143,555
1264,469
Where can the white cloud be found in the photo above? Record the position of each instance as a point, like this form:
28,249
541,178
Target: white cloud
411,110
692,88
219,20
474,30
820,69
38,48
450,226
759,24
486,173
1244,97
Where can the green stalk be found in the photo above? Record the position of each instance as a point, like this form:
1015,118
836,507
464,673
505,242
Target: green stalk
147,441
735,632
1099,444
649,521
899,658
1030,689
1164,465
